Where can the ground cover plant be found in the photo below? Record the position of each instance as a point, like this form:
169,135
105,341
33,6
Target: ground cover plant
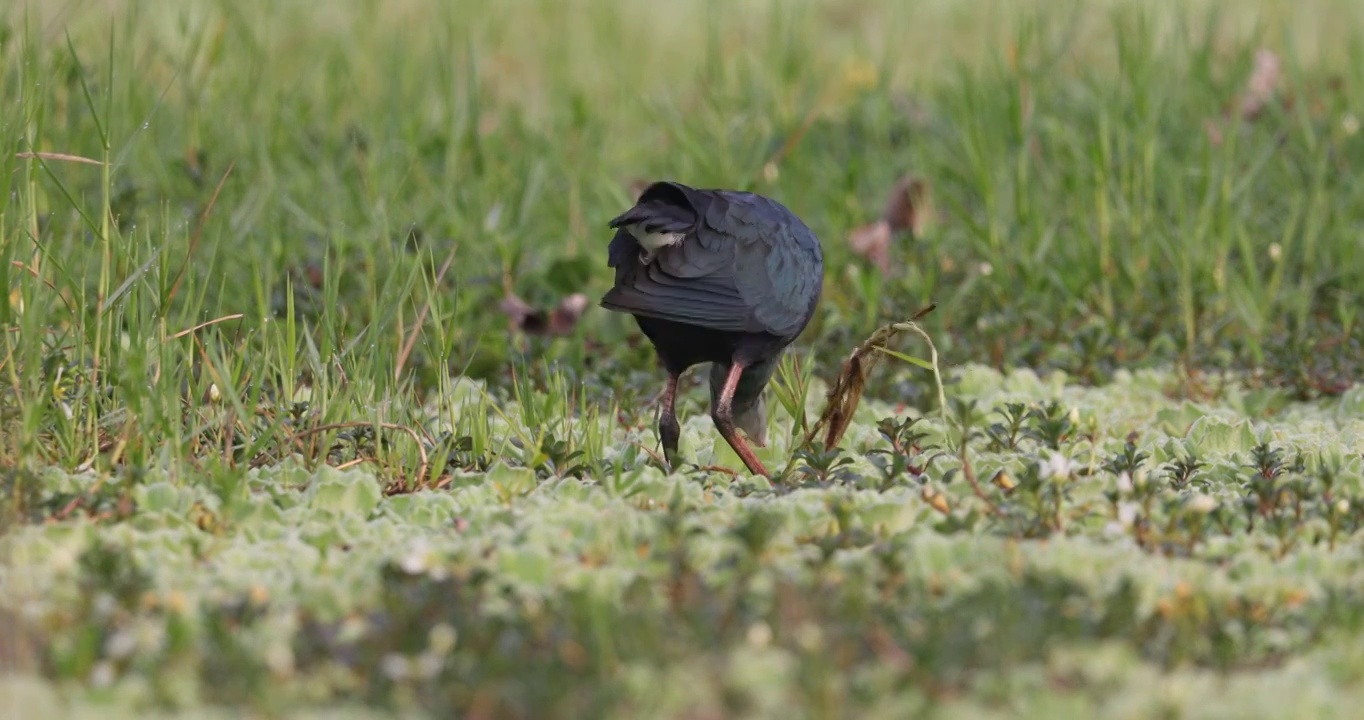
306,406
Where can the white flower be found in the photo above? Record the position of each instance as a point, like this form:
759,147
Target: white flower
759,634
121,644
809,636
279,657
1275,251
1342,506
1202,504
102,675
1124,482
1057,466
418,559
395,666
1127,514
441,638
428,665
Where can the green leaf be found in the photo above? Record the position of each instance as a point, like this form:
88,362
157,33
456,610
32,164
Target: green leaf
907,358
349,492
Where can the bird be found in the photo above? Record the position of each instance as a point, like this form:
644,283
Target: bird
725,277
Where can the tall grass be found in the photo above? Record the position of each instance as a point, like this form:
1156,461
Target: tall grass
223,222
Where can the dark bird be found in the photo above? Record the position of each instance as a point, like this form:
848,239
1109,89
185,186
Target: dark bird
720,276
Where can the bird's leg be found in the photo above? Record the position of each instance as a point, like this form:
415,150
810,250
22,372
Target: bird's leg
723,414
668,429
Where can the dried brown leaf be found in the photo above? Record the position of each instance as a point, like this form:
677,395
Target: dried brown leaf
846,392
1262,87
909,206
873,243
556,322
1262,84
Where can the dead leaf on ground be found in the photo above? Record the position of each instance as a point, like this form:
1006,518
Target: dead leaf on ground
1262,88
1262,85
556,322
873,243
909,208
846,391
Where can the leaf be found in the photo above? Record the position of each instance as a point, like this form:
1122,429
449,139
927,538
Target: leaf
512,481
161,497
1262,85
907,358
846,392
354,493
908,209
556,322
909,206
873,243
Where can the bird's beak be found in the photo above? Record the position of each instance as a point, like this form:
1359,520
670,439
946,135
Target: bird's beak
753,422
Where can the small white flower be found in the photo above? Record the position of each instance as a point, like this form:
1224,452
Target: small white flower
105,604
441,638
1124,482
1057,466
1275,251
1074,415
428,665
121,644
1349,123
759,634
1202,504
418,558
809,636
1342,506
102,675
986,269
395,666
1127,514
279,657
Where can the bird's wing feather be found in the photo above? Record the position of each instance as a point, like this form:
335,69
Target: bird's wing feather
746,265
777,267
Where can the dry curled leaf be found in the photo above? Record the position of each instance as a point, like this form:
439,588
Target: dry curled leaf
846,392
909,208
873,243
1262,87
556,322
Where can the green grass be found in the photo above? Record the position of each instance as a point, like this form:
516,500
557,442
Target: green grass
264,433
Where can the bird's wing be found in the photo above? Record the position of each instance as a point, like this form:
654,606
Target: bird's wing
778,267
745,265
